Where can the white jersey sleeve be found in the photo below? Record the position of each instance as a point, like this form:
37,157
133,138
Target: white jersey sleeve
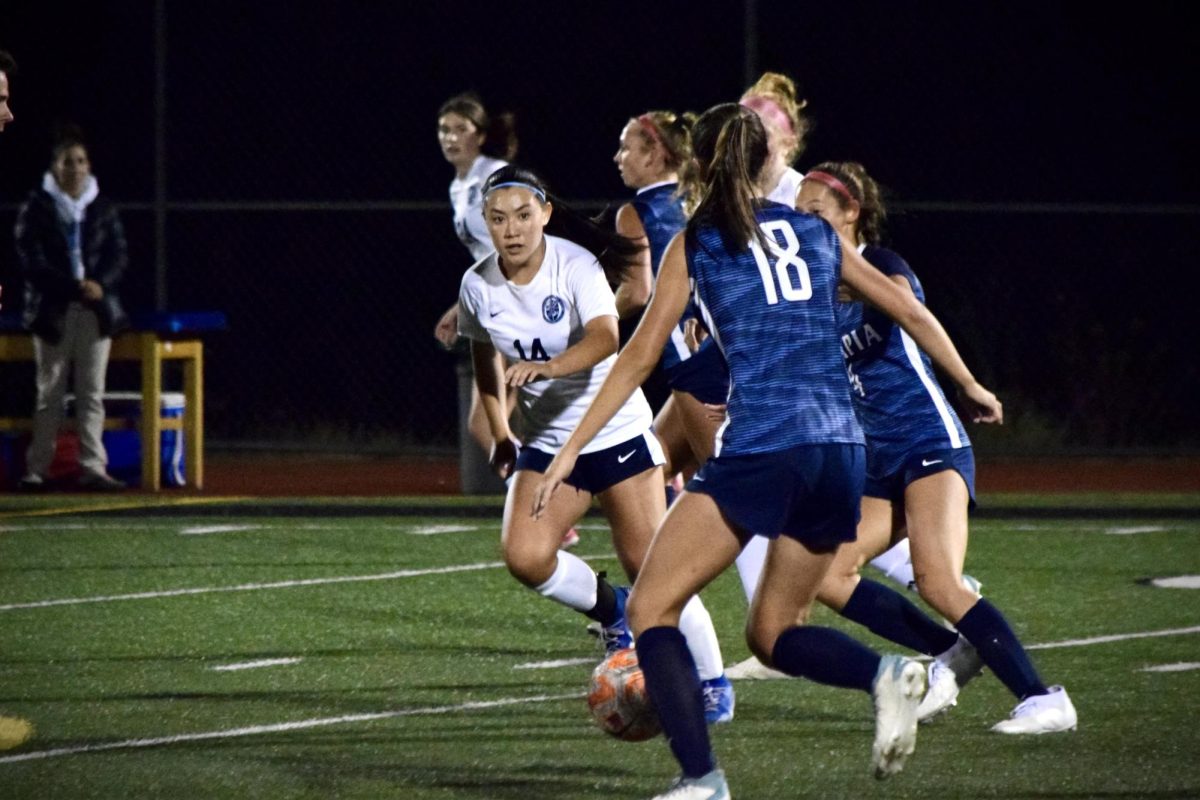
590,292
470,304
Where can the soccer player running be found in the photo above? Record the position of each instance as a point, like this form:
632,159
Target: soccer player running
790,459
541,318
920,463
14,731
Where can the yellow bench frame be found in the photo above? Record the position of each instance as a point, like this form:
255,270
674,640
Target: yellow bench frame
150,350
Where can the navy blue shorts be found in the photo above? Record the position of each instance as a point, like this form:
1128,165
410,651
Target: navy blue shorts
704,376
603,469
920,465
811,493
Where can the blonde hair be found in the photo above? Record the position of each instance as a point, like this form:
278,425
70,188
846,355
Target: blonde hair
781,90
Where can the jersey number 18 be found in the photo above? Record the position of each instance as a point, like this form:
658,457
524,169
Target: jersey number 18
788,261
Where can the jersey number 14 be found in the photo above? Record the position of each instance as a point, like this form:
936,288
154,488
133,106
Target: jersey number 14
788,263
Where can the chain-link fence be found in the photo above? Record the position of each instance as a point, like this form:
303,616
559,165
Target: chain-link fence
302,194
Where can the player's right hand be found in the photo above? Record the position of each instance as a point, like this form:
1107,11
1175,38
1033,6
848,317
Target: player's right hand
446,330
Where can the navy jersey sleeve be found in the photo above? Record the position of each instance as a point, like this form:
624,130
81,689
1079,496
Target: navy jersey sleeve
891,263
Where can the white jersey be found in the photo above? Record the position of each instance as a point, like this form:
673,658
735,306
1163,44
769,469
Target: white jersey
466,197
536,322
788,187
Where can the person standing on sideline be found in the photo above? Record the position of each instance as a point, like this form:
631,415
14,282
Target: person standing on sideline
542,318
791,457
71,249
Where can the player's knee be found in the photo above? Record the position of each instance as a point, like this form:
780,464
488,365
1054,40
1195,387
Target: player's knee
529,565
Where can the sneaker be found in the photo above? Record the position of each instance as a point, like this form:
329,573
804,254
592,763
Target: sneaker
617,636
948,674
899,684
711,786
753,670
1052,712
32,483
718,700
100,482
569,539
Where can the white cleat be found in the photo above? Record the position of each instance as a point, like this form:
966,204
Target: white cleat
707,787
899,684
1052,712
948,674
753,670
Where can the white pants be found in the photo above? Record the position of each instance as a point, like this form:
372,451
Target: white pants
86,350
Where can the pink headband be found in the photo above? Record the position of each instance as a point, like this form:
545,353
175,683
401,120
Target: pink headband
831,182
768,109
651,128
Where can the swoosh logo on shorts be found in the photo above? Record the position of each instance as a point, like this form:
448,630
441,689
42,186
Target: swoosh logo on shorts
626,457
925,463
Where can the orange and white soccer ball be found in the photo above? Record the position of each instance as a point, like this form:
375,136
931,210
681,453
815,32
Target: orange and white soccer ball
618,699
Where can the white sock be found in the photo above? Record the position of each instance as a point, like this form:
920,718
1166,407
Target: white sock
696,626
573,583
896,563
750,564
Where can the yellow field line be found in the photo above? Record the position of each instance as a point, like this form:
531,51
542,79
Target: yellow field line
125,506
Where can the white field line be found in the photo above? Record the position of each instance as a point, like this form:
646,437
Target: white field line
255,587
434,530
200,530
280,727
1133,529
1117,637
1182,666
1178,582
262,662
558,662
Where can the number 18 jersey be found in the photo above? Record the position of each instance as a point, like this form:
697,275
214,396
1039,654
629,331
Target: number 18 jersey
773,316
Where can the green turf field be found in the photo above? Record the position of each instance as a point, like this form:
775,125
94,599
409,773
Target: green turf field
409,665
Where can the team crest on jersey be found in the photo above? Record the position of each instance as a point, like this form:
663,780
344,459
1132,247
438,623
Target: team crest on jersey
553,308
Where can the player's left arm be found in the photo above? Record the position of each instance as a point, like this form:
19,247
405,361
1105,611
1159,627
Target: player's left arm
903,307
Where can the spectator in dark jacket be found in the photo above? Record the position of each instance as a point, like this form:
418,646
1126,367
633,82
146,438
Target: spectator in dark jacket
71,248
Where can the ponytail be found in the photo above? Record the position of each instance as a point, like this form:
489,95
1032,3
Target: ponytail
729,166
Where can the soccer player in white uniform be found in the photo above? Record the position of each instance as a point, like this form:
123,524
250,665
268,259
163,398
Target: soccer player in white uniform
541,317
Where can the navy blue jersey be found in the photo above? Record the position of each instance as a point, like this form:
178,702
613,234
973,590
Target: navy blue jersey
660,210
773,317
899,402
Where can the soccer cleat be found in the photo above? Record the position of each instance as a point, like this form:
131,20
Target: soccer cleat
753,670
718,700
899,684
100,482
569,539
948,673
1052,712
32,483
973,584
617,636
711,786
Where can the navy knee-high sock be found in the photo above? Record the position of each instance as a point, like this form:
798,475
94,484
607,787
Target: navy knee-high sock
827,656
985,628
674,687
889,614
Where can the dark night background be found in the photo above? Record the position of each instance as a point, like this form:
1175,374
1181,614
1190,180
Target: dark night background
1040,160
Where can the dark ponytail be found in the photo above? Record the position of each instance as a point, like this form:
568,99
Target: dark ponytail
617,254
730,144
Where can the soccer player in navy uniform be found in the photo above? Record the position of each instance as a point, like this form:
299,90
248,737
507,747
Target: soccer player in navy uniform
919,461
542,319
789,460
655,147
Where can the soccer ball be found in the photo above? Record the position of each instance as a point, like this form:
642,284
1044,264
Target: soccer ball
618,699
